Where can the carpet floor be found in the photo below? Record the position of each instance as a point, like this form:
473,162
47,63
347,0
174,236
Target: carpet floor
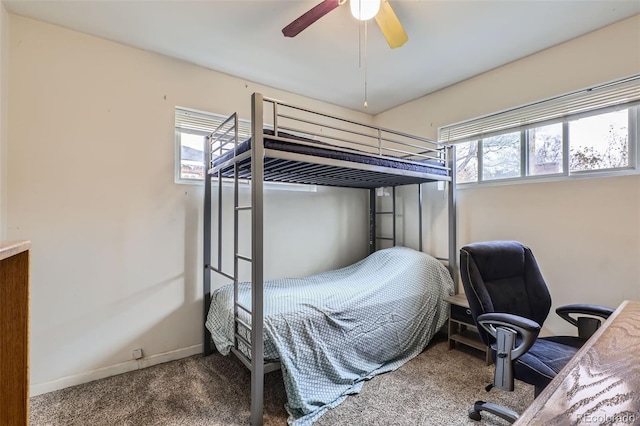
435,388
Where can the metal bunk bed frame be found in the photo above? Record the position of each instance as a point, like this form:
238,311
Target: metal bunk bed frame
227,133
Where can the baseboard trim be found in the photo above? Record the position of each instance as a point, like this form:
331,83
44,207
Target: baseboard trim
113,370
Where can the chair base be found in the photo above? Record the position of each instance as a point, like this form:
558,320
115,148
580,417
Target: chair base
500,411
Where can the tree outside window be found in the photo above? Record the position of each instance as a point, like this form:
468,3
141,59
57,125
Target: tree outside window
501,156
599,142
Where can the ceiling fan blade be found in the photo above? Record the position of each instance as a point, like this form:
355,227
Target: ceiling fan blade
309,17
391,26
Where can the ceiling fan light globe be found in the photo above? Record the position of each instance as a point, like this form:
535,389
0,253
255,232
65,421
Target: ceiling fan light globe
364,10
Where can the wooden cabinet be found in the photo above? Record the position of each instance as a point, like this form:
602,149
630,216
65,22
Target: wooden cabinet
462,329
14,333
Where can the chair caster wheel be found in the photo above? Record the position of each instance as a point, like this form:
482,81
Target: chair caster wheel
474,414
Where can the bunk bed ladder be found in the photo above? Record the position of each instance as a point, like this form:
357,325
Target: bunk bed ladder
208,267
238,338
373,214
237,306
237,321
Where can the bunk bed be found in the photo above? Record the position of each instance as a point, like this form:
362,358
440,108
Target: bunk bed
292,144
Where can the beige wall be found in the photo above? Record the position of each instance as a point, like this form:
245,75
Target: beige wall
116,258
4,110
585,233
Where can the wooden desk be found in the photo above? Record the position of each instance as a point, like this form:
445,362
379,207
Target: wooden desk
14,333
601,383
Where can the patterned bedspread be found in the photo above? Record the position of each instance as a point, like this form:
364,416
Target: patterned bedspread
334,330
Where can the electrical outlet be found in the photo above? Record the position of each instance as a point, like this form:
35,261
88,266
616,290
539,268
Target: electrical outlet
137,353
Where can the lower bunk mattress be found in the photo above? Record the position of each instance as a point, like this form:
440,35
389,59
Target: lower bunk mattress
334,330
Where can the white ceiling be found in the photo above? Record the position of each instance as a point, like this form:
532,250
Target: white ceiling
449,41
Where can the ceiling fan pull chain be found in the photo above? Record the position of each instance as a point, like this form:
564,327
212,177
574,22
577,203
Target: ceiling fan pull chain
365,64
360,44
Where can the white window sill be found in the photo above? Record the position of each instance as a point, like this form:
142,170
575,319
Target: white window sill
549,178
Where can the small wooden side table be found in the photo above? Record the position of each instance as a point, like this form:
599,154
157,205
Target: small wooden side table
462,329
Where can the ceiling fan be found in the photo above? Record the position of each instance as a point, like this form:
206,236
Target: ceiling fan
361,10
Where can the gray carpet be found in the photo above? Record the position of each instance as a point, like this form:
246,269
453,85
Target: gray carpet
435,388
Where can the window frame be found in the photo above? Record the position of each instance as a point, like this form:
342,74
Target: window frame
633,138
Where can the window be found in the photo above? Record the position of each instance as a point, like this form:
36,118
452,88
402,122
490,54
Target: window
191,155
594,130
600,142
191,128
501,156
467,162
545,150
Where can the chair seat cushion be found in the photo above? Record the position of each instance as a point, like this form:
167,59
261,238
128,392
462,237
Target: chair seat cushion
542,362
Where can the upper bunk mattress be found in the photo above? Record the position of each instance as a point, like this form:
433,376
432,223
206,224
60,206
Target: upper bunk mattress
327,150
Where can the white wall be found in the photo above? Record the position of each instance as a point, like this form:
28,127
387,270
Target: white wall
116,244
584,233
4,109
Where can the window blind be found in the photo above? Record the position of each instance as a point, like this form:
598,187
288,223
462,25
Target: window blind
620,93
203,122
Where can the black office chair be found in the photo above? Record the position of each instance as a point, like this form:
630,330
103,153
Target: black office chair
509,302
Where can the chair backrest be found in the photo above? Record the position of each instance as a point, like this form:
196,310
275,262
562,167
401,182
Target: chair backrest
503,276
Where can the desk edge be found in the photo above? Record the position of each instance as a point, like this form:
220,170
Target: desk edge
11,248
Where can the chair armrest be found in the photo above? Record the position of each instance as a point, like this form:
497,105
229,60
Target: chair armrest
586,325
526,328
581,308
505,328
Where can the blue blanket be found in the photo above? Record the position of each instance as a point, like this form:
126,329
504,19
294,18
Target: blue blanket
334,330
